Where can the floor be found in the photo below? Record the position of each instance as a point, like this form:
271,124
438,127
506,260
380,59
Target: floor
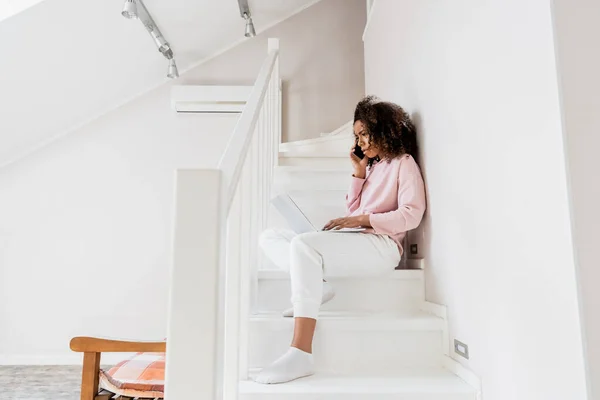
40,382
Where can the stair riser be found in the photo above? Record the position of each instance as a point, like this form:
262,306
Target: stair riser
377,295
347,350
326,162
312,180
337,145
355,396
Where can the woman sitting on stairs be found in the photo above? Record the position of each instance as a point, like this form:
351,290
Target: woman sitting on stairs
386,196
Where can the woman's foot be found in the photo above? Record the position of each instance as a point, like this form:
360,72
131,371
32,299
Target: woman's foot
328,294
294,364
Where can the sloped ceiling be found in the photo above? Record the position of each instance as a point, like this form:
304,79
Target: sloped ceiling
66,62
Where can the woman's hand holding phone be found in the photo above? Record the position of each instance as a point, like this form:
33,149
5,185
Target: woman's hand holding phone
359,164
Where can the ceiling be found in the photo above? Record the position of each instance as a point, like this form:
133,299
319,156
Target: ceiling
66,62
8,8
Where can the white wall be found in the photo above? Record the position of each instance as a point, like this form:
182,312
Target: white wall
67,71
86,229
70,61
577,34
481,80
85,223
322,66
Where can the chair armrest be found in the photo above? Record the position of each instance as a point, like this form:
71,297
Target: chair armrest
83,344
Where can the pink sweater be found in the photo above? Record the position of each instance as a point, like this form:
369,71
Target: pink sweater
393,194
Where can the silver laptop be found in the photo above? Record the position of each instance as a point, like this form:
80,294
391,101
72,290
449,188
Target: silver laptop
296,219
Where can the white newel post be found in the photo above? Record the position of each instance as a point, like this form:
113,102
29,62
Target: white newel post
192,337
219,214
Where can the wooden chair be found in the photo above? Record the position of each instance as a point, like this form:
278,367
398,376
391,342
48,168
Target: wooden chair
92,349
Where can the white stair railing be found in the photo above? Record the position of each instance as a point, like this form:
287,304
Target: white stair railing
219,215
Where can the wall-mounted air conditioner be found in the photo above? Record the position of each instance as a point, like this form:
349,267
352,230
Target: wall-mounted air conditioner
209,99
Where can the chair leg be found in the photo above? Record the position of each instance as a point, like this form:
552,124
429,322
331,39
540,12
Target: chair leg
104,395
90,375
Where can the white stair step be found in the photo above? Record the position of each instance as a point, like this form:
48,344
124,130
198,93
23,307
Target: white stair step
400,290
338,140
354,342
314,158
307,199
427,384
312,178
315,154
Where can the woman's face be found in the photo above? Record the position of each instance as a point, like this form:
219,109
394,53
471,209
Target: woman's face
362,137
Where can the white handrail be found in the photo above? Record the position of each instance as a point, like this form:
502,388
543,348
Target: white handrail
233,158
218,217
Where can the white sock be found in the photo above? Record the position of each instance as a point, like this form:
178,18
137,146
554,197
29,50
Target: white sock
294,364
328,294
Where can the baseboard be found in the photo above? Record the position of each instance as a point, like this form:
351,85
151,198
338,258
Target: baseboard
448,362
59,359
463,373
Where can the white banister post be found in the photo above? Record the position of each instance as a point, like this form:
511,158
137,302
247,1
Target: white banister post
253,220
270,143
232,299
273,150
264,165
245,266
279,111
193,356
274,147
259,163
274,46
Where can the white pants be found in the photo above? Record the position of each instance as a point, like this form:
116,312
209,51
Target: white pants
310,257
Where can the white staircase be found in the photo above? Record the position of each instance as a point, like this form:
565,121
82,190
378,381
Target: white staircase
373,341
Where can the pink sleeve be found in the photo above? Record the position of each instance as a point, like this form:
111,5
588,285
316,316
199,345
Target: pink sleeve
411,203
353,196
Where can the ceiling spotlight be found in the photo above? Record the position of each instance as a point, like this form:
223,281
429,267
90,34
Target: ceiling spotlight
250,32
136,9
247,15
130,9
173,73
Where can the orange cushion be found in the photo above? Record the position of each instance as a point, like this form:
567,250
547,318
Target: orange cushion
142,375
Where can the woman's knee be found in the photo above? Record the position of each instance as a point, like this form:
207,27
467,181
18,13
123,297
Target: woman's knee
303,240
302,247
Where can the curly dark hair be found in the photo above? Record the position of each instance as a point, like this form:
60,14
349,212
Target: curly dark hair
389,127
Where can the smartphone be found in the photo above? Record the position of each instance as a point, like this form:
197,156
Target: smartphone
357,151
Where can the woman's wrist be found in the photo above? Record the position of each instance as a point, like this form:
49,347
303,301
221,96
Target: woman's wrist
365,220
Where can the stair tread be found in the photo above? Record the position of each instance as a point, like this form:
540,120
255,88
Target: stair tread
314,154
409,320
343,137
401,274
419,382
309,168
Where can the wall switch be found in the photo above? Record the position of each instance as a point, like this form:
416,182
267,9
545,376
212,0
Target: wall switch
461,349
414,249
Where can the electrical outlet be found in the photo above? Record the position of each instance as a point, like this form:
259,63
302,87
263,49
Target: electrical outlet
414,249
461,349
